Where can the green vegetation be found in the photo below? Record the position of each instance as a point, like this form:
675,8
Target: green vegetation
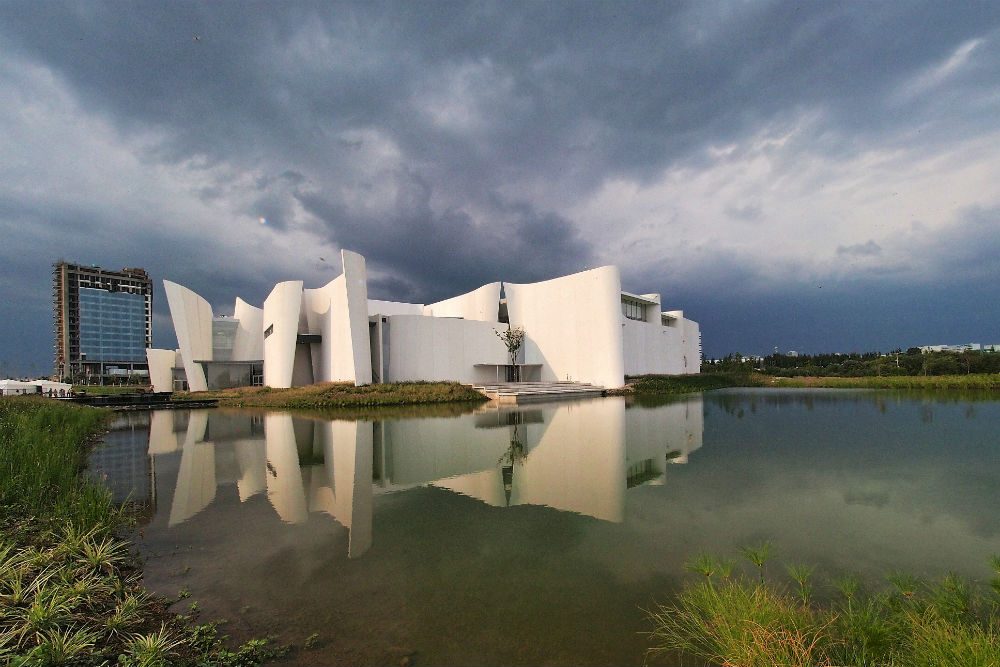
344,394
971,382
44,449
70,589
110,390
867,364
685,384
741,621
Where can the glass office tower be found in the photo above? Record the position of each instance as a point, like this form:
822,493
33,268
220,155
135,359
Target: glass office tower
103,323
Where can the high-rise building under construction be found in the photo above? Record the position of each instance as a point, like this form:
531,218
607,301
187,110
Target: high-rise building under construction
103,322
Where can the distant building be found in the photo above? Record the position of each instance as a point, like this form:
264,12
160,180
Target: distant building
966,347
580,328
103,322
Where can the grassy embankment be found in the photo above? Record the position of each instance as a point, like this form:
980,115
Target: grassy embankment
981,381
741,621
685,384
70,590
344,395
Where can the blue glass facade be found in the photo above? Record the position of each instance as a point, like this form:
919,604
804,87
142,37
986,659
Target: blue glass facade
112,325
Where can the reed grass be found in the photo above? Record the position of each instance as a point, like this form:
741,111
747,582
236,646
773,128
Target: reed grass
44,446
744,622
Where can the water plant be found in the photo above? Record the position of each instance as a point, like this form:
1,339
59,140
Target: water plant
758,554
802,575
703,564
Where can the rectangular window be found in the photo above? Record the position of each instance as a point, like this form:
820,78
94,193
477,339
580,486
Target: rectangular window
268,331
634,311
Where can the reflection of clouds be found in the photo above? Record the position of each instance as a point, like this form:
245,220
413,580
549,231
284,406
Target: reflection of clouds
870,498
848,477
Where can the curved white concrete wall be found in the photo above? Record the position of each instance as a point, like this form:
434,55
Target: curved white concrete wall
192,318
347,347
481,304
249,342
316,305
161,368
434,348
281,310
573,326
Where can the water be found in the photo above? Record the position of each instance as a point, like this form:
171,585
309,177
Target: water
537,535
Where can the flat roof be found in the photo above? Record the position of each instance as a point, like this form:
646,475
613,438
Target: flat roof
641,299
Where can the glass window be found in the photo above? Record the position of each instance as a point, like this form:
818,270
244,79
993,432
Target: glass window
634,310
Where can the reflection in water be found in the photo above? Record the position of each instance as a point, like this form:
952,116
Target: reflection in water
122,464
572,457
473,527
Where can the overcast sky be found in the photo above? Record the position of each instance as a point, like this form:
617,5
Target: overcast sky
817,176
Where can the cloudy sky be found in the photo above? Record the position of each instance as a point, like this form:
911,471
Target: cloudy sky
818,176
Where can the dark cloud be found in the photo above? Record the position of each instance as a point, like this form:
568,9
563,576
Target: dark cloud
630,88
449,144
868,249
440,253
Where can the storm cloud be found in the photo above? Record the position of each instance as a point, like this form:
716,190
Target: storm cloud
722,154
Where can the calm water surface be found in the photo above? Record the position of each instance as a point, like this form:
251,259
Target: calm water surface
537,535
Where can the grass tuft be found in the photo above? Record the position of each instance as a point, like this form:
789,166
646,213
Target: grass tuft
744,622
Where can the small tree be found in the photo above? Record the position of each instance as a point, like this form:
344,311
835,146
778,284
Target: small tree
513,339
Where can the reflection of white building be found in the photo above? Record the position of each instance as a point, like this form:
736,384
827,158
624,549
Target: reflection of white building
580,327
573,457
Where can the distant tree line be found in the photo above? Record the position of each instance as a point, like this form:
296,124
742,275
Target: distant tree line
897,362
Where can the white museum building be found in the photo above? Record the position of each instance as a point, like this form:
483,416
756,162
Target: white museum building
581,328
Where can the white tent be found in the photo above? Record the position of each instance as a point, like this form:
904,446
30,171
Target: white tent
41,387
17,387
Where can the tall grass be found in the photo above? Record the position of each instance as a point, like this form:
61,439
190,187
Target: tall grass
745,622
43,449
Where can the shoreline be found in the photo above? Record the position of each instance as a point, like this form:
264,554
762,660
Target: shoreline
342,396
70,563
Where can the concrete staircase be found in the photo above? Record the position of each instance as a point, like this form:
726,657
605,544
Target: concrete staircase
514,393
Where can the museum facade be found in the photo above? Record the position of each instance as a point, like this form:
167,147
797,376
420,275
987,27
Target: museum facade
581,327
